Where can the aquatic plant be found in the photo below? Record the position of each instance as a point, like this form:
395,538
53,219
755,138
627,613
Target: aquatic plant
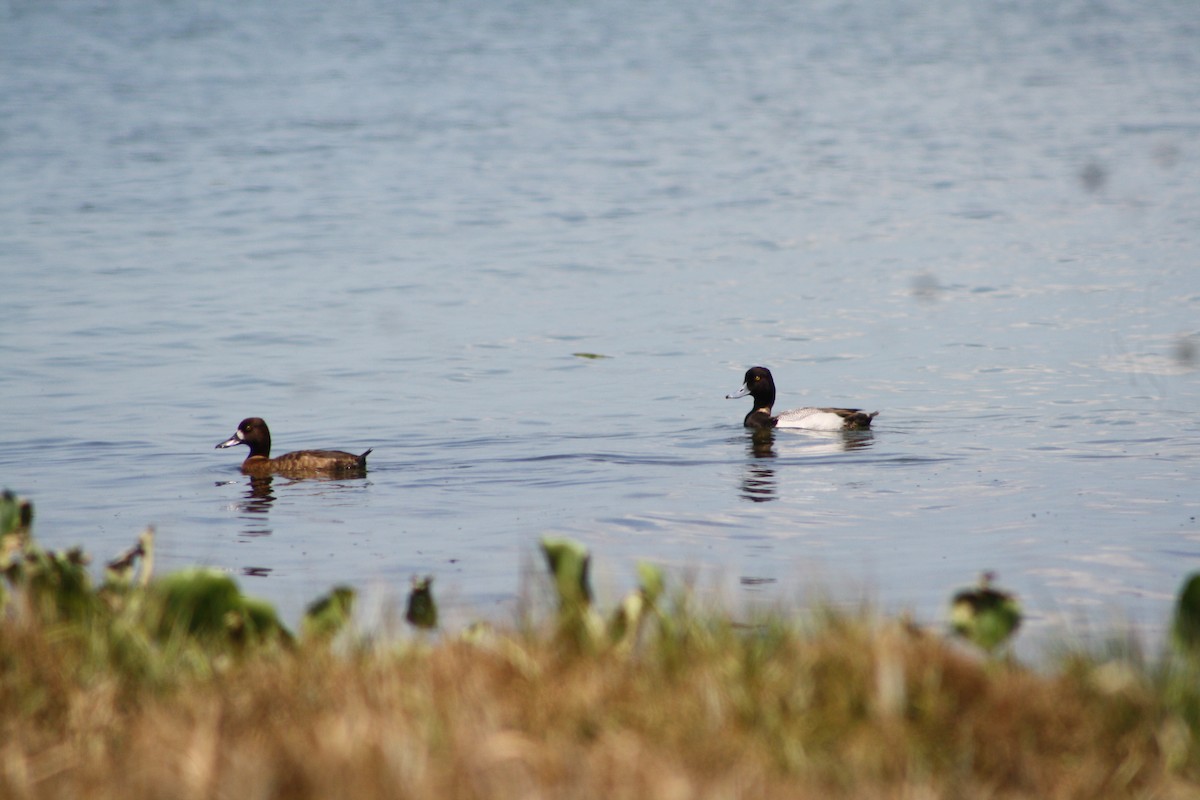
658,699
329,615
141,623
569,564
578,621
1186,625
985,616
206,603
16,514
421,610
119,573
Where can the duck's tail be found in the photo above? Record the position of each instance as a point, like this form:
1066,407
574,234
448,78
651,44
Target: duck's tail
860,420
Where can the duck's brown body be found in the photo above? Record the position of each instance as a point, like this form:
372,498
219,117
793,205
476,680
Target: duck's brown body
253,433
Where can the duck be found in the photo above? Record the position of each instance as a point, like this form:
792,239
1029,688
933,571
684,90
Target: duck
760,385
254,433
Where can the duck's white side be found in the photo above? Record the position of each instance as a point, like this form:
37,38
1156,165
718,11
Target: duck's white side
810,419
760,385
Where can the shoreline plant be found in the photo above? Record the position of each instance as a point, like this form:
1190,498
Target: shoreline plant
181,686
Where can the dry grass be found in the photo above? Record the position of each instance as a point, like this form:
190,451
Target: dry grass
838,707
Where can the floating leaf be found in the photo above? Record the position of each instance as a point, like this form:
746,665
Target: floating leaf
590,355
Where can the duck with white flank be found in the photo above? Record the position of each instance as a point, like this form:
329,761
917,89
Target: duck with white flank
761,386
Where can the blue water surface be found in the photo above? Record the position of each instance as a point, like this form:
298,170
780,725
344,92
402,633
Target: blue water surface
395,225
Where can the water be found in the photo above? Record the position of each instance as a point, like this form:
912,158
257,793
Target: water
392,225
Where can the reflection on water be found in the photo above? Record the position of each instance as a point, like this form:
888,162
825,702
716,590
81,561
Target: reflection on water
259,496
1028,316
857,440
758,480
252,508
254,505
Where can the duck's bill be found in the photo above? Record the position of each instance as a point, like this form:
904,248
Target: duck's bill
745,390
230,442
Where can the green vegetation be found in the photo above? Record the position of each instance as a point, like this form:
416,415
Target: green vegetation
421,611
181,686
986,617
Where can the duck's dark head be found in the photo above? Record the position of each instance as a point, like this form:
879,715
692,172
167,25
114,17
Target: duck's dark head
253,433
761,386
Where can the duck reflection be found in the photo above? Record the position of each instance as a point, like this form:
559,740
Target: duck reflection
824,444
857,440
259,495
254,505
758,481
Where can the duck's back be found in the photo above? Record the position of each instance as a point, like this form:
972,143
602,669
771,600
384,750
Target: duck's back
309,462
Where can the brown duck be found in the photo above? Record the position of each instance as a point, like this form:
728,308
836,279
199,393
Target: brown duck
253,433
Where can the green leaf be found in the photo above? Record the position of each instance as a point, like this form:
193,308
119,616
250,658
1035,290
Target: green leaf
569,564
985,616
207,603
328,615
16,514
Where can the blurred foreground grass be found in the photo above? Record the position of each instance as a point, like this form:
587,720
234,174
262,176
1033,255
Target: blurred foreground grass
126,690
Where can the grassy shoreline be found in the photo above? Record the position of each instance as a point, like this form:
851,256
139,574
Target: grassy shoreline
127,690
839,707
